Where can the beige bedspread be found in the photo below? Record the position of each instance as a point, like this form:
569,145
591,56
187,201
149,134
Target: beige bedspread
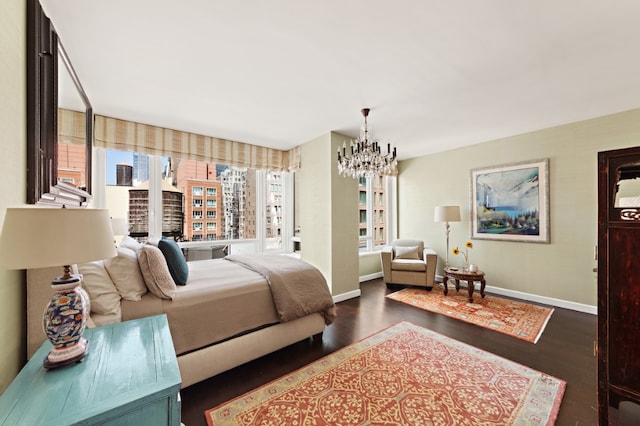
298,288
221,300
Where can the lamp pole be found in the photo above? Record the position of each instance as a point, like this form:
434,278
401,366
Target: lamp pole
447,214
447,230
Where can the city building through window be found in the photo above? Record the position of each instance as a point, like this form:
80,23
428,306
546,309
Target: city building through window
372,211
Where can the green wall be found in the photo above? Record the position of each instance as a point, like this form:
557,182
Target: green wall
12,187
344,226
328,214
562,269
370,264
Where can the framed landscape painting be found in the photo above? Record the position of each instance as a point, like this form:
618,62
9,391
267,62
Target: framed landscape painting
511,202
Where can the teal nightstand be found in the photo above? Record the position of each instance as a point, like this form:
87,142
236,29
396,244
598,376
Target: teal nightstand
129,377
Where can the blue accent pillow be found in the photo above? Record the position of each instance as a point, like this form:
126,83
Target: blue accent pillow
175,260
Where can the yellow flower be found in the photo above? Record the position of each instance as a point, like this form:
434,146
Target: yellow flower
465,253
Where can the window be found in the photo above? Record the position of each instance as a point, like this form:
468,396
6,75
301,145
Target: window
275,185
231,213
125,189
226,205
363,216
373,209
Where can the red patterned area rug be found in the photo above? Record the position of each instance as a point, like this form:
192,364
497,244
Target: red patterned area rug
404,375
518,319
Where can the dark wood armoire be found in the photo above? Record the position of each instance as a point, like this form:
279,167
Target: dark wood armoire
618,350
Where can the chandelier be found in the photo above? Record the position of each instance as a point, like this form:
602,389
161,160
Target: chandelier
366,158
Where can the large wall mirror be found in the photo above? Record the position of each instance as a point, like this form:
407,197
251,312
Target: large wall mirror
59,119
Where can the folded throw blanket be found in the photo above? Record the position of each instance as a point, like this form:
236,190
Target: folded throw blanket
298,289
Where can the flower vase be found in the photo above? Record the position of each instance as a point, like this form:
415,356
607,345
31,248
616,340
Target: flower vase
473,268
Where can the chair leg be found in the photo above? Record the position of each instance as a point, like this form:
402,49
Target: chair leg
392,286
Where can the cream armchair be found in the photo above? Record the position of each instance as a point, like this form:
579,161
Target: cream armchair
409,262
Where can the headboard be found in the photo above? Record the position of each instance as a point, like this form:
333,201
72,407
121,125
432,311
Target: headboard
39,294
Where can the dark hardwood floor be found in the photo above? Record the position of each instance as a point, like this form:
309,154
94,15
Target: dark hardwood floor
565,350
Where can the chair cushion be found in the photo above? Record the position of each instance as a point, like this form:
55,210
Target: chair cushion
408,265
407,252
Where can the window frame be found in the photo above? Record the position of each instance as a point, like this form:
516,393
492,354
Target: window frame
257,244
388,224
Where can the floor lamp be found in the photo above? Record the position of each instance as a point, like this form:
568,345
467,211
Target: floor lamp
447,214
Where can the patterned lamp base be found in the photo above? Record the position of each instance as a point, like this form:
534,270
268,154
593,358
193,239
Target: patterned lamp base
64,322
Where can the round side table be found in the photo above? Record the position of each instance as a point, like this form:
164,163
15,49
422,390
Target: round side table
457,275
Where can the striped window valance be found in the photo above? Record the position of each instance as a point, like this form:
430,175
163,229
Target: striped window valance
72,126
125,135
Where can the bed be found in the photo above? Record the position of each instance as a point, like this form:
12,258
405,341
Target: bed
230,311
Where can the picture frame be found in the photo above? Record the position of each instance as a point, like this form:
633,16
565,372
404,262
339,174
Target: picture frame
510,202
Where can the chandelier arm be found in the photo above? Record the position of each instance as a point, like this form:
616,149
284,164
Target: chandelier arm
366,159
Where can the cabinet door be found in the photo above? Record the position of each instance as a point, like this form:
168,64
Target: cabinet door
624,307
618,278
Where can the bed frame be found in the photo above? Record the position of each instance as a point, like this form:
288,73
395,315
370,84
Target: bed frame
194,366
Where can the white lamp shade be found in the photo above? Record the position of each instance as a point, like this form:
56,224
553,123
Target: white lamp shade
446,214
37,237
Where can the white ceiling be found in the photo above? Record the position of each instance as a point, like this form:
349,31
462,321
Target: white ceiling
436,74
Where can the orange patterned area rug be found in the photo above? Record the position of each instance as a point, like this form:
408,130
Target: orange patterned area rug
517,319
404,375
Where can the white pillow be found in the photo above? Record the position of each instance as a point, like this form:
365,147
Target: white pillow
125,274
153,241
407,252
130,243
103,294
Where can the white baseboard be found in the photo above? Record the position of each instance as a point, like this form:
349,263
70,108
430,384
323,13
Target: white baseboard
346,296
574,306
373,276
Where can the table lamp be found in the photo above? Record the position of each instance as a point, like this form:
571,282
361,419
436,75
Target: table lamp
447,214
37,237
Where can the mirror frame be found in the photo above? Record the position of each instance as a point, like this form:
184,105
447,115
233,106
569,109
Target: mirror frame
43,48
